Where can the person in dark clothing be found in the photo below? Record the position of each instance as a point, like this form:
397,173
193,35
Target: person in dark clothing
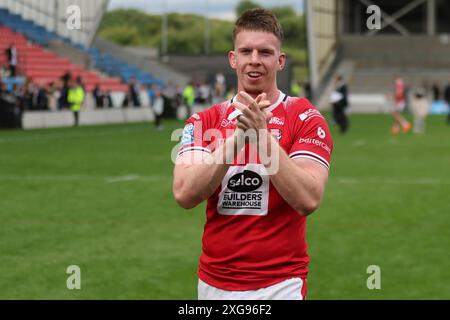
42,99
98,96
107,99
339,100
447,99
63,103
11,54
436,90
132,95
307,90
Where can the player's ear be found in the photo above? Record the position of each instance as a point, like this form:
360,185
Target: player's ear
232,59
281,61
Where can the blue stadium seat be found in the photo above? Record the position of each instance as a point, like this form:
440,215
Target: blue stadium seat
102,61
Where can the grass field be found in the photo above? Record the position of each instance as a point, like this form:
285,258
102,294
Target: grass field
100,198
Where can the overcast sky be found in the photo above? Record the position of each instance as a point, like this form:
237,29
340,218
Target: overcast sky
223,9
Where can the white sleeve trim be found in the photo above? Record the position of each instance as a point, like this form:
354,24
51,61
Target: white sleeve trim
310,155
193,149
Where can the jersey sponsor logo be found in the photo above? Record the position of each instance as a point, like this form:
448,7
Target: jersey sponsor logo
245,191
309,114
316,143
321,133
277,121
246,181
188,135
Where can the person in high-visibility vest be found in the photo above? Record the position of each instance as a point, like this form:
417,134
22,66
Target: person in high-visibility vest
75,97
296,90
189,98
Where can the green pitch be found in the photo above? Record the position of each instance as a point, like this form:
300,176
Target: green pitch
100,198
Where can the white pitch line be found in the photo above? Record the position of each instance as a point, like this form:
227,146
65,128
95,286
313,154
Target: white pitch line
359,143
69,178
48,178
71,135
123,178
419,181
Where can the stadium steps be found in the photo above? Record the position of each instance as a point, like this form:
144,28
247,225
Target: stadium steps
76,52
419,60
397,52
126,63
44,67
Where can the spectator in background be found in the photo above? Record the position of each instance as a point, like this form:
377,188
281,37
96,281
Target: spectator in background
28,100
63,102
11,54
42,98
53,96
296,89
107,99
98,96
133,94
178,97
2,86
219,89
420,108
436,90
76,97
189,98
158,108
447,100
151,93
400,123
339,101
168,94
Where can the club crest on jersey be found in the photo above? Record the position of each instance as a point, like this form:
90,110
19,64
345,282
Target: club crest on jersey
276,133
309,114
188,135
225,123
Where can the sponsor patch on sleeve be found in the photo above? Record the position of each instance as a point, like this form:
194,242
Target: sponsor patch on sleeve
188,135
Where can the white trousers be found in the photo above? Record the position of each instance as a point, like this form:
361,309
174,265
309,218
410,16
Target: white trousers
290,289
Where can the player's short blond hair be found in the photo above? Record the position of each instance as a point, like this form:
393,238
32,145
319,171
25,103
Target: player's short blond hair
258,20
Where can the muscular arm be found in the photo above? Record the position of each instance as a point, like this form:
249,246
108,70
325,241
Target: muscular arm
301,182
197,175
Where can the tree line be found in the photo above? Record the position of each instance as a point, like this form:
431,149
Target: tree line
131,27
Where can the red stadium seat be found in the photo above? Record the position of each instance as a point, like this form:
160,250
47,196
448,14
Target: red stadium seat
44,67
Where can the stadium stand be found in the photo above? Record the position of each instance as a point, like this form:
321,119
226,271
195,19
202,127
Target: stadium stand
412,42
43,67
42,37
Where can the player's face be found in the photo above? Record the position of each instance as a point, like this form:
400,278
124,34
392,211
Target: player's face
257,60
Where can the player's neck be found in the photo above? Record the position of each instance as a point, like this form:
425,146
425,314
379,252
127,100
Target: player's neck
272,95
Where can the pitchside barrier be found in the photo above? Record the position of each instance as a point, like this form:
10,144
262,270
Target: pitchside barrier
116,115
48,119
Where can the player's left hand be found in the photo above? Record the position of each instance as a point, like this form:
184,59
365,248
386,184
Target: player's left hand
253,111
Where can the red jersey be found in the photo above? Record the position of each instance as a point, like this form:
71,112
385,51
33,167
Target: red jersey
252,237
